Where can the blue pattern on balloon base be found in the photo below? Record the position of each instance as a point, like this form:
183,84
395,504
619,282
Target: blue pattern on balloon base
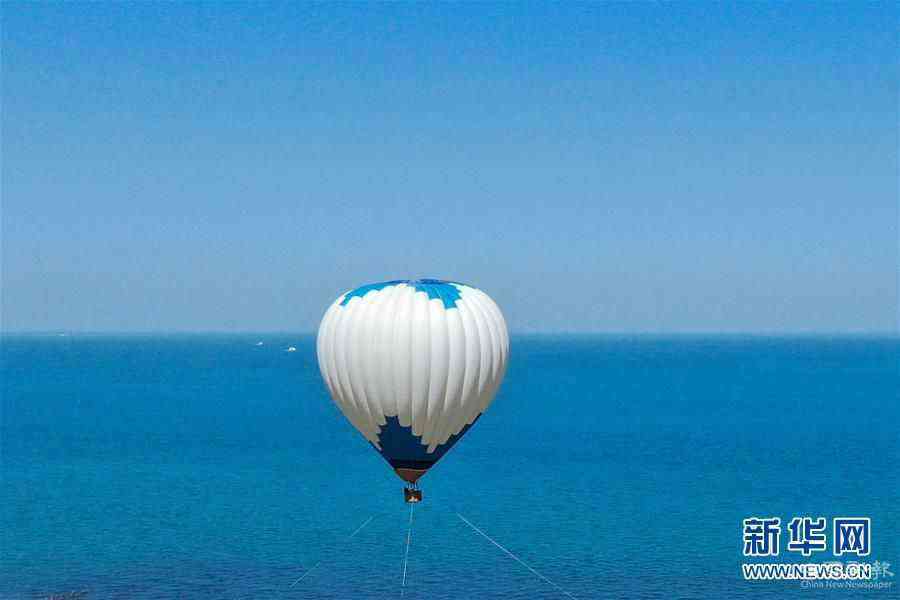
402,449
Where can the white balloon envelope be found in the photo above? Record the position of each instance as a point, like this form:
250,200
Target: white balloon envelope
412,364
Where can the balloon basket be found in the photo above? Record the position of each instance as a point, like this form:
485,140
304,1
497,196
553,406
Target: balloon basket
412,495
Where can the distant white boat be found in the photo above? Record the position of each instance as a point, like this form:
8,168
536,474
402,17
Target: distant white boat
259,343
291,349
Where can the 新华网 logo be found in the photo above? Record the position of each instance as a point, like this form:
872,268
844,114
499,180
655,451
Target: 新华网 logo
806,536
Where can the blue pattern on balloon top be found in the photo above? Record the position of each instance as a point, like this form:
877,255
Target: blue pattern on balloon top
445,291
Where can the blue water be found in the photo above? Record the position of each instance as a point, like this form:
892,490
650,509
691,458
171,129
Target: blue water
208,467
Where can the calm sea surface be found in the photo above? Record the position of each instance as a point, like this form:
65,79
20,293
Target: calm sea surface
210,467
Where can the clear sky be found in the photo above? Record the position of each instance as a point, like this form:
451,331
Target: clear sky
599,167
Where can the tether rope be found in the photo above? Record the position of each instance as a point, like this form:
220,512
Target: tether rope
315,566
406,555
513,556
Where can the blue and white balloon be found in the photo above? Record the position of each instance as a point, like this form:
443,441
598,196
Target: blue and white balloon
412,365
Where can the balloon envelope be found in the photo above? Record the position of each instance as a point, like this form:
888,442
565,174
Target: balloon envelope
412,365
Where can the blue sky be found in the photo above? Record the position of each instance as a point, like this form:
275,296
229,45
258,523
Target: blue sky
599,167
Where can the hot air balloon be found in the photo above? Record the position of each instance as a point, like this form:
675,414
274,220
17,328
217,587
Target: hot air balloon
413,364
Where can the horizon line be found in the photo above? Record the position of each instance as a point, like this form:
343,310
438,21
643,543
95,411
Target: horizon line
610,332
